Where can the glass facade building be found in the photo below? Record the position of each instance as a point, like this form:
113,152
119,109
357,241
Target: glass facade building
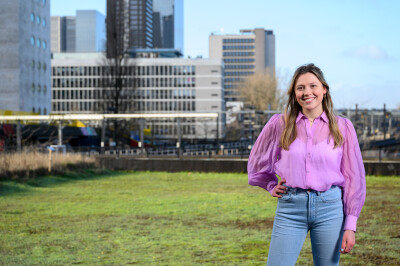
90,31
168,24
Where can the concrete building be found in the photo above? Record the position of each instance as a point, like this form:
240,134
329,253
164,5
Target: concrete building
252,51
25,56
63,31
90,31
160,85
168,24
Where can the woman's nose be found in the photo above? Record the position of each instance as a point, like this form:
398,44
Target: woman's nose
307,90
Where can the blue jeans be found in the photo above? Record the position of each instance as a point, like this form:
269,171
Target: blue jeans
300,211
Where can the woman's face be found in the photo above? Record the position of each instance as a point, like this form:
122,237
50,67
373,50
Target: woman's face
309,93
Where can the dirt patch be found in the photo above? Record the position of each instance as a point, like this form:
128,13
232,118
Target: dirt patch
258,224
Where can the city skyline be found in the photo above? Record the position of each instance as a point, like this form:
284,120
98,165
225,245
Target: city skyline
354,43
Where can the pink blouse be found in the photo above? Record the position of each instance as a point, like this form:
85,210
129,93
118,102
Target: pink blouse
311,162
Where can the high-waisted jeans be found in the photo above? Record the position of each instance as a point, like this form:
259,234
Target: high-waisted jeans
300,211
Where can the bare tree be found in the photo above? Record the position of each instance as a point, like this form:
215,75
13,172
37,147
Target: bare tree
118,83
262,90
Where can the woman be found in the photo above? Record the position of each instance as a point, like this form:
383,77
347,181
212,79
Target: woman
322,187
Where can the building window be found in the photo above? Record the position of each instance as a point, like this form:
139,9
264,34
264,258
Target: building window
33,110
33,41
33,89
38,19
38,43
39,88
33,64
44,89
44,22
44,45
32,17
44,2
44,66
45,111
39,65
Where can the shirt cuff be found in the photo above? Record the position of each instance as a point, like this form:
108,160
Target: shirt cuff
350,223
271,187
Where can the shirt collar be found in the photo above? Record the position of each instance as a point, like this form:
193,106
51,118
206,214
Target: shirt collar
323,116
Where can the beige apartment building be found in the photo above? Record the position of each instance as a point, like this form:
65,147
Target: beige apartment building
252,51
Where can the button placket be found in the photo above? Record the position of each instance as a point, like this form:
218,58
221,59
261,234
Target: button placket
308,151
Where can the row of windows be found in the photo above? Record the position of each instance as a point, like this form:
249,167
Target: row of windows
125,70
238,47
76,94
39,65
38,88
232,80
238,53
172,130
172,106
230,86
238,40
239,60
231,93
165,94
137,105
136,82
239,66
77,106
137,94
38,42
244,73
39,20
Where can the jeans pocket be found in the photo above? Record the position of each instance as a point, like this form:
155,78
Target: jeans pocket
332,195
285,197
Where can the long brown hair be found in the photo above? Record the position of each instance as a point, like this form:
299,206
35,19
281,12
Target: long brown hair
293,108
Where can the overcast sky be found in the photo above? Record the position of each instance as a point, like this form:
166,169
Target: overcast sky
355,42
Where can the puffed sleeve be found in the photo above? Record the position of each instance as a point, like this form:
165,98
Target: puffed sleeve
264,154
352,168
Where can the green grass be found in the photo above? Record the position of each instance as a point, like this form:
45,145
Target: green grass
168,219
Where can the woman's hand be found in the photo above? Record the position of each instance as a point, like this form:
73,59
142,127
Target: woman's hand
349,239
280,188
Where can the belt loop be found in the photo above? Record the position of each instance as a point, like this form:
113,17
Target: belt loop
319,193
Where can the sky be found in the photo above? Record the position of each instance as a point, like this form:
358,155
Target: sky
356,43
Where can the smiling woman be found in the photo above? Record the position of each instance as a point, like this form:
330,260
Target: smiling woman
322,186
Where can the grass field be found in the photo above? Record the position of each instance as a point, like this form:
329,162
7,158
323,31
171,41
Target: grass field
156,218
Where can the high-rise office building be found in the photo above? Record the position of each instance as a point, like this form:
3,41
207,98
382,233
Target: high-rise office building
84,32
63,34
70,34
25,56
252,51
90,31
168,24
129,25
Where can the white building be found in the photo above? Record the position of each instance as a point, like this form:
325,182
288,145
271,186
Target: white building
25,56
163,85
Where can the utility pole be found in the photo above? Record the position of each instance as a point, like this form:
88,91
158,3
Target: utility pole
19,136
384,121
